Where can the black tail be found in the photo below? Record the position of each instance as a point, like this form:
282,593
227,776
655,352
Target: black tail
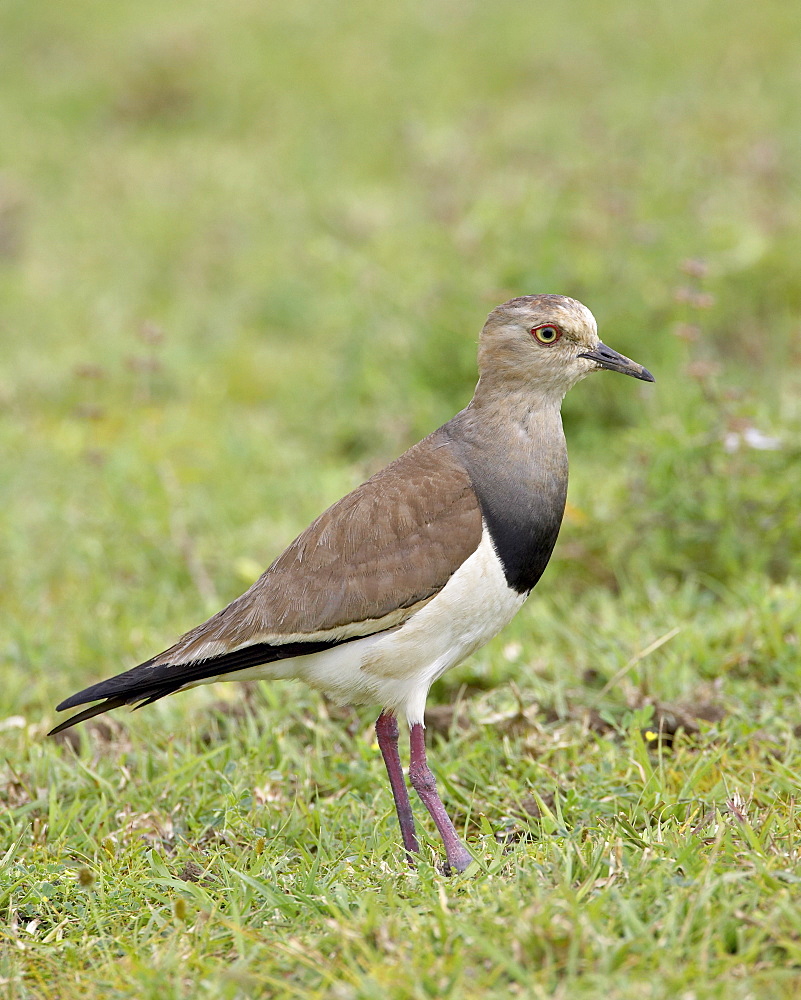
150,681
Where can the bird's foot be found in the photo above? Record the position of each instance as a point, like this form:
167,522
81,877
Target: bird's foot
457,855
458,859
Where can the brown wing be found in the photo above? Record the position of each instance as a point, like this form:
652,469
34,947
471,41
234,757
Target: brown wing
364,565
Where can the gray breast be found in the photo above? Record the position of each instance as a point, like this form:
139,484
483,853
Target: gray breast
519,474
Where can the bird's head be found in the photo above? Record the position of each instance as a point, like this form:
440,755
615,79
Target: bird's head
547,342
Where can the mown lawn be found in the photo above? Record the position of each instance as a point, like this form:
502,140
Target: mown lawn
245,252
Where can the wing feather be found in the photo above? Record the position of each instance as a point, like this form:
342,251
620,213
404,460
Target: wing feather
366,564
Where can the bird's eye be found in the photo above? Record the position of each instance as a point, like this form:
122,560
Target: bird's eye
546,334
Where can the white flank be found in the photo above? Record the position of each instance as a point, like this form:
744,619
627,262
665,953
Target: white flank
395,669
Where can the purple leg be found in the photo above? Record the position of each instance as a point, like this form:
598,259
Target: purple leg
423,783
386,731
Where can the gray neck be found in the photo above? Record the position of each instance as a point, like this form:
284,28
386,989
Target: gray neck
515,454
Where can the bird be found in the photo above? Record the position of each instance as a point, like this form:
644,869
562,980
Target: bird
417,568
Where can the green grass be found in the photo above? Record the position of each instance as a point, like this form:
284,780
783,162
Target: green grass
245,252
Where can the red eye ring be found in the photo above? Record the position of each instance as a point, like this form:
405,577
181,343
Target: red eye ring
547,334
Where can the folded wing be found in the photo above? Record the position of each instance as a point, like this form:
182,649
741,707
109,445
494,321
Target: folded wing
365,565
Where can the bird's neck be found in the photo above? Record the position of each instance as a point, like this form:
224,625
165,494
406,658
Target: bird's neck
516,420
514,451
507,391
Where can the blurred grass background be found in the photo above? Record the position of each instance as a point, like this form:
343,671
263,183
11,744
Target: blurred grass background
245,253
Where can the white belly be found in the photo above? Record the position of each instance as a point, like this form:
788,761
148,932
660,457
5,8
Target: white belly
395,669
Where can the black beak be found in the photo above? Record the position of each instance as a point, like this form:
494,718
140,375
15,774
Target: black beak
605,357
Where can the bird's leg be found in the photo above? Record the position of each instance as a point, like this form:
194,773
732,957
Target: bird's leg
426,787
386,731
